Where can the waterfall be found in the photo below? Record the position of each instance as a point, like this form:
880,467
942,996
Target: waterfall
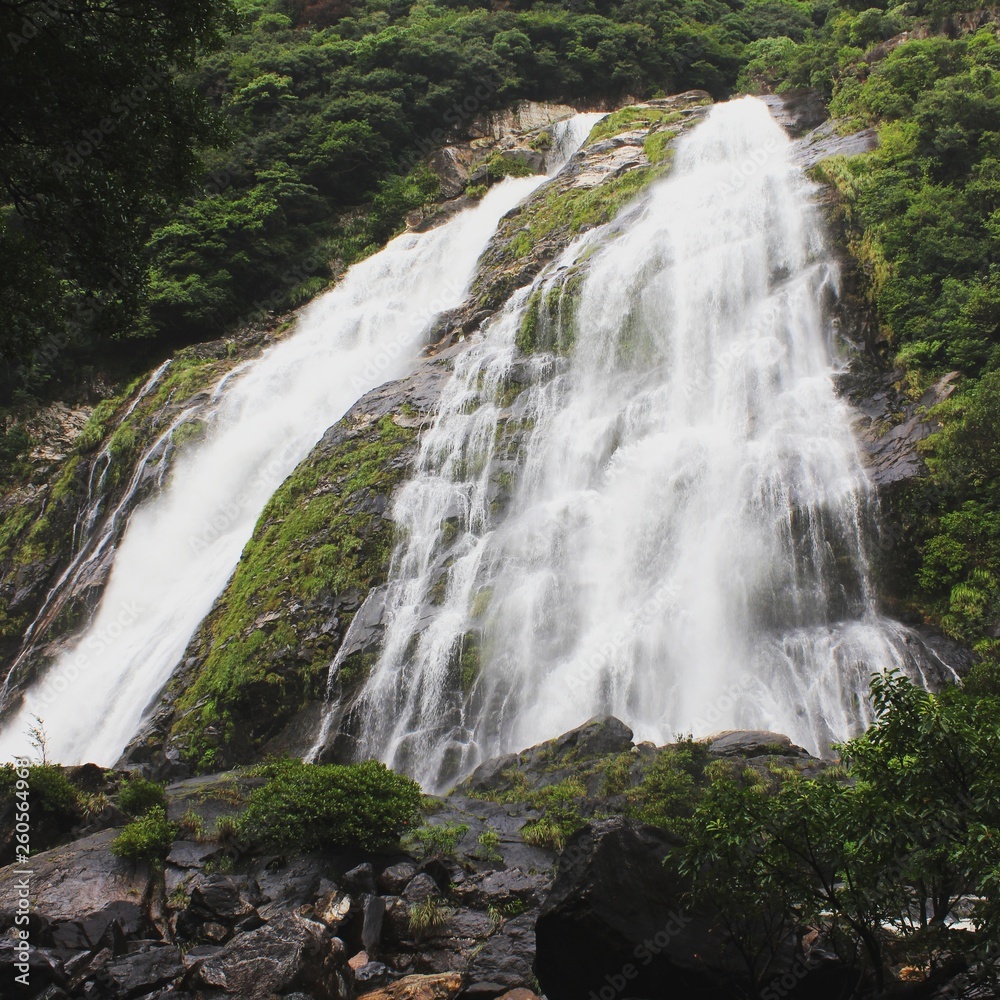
664,517
181,546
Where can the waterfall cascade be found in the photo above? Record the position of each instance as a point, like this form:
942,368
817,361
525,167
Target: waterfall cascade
665,517
181,546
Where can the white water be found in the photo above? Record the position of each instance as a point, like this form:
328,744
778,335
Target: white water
181,547
685,543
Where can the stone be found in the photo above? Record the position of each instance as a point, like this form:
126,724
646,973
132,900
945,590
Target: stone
152,967
752,743
371,929
361,879
612,893
394,879
507,955
78,878
443,986
290,953
420,888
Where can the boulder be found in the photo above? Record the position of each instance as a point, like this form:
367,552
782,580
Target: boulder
151,967
752,743
614,920
442,986
290,953
79,878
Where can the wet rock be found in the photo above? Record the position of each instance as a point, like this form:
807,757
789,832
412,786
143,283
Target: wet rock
79,878
825,141
613,893
394,879
890,426
151,967
290,953
443,986
797,111
752,743
507,955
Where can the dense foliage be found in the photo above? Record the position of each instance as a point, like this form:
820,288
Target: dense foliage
96,130
878,852
111,227
309,806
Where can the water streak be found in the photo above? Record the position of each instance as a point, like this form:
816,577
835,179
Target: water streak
665,517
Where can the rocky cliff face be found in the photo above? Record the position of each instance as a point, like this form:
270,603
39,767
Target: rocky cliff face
452,914
254,675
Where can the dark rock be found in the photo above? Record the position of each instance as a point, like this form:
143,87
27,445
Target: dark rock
361,879
290,953
797,111
752,743
483,991
598,737
150,968
507,955
394,879
190,854
498,889
613,893
372,975
42,970
371,930
419,889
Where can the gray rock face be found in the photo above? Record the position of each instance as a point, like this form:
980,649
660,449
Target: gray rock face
824,142
290,953
890,426
752,743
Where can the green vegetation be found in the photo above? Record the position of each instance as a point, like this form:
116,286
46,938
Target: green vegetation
311,544
236,178
55,807
303,807
428,915
138,795
146,839
442,839
878,852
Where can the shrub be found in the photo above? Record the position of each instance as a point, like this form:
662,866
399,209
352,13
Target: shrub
431,840
147,838
309,806
138,795
55,807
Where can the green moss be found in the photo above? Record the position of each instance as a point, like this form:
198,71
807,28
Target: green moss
502,165
629,119
657,146
312,542
470,660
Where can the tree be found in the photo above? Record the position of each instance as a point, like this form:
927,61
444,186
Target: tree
96,131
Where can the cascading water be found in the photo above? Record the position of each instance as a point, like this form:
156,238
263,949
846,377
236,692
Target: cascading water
180,547
684,543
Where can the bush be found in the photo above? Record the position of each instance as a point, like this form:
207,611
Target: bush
55,807
138,795
310,806
147,839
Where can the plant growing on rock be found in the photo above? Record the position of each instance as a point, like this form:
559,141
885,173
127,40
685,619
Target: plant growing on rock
147,838
138,795
308,806
437,840
427,915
